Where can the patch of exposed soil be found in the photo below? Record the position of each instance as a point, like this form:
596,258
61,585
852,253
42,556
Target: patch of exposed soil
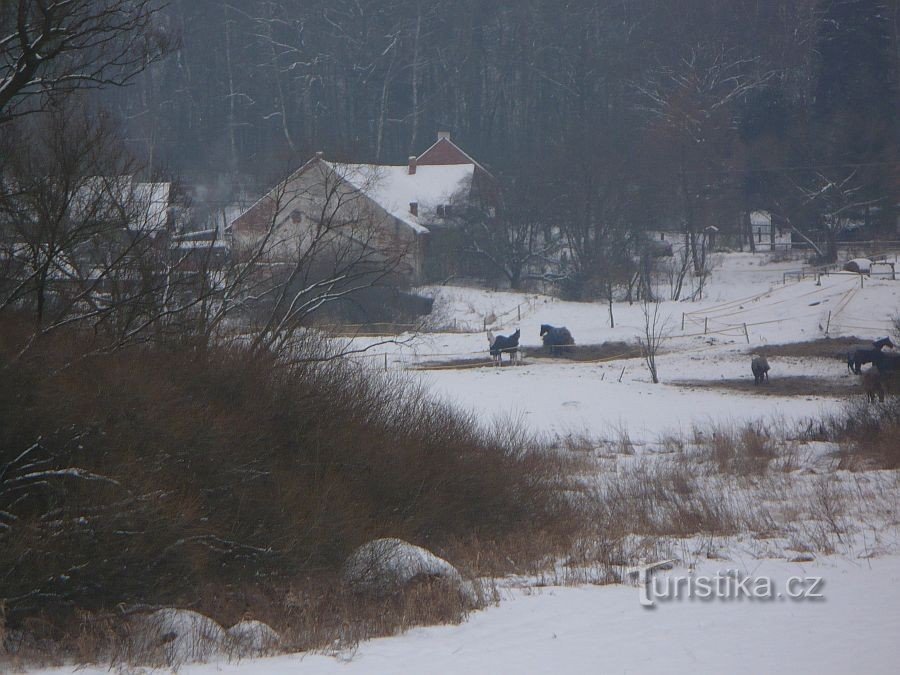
825,348
596,352
607,351
460,364
791,385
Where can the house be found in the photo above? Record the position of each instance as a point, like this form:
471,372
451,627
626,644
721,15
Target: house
386,209
768,232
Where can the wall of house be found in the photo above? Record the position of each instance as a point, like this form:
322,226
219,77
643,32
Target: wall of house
293,214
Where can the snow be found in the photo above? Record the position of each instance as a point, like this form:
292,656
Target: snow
604,629
394,188
561,397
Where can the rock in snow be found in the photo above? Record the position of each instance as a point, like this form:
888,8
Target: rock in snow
178,636
385,566
253,638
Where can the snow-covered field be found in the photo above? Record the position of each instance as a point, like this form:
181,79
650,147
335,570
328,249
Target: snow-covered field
537,628
561,397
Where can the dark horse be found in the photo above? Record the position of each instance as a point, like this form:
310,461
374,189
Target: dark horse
886,364
504,343
863,355
760,368
555,338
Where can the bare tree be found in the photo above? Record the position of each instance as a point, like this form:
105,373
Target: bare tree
317,242
71,221
59,46
516,234
655,331
836,195
691,103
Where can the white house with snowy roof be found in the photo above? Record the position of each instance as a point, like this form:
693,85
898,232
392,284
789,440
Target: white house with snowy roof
385,207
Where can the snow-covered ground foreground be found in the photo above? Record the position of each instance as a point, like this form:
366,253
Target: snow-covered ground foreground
604,629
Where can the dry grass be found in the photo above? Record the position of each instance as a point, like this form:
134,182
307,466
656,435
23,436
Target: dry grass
868,434
824,348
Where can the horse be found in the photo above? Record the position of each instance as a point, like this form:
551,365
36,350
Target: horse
858,357
504,343
760,368
555,338
886,364
872,385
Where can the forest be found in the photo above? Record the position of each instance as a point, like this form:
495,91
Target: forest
614,114
601,119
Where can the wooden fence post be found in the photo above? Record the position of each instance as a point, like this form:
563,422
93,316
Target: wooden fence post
828,323
705,324
746,334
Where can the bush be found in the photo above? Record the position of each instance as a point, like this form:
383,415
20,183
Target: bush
213,478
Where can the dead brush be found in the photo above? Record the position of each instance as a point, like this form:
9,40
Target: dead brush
663,498
867,434
743,450
325,617
223,475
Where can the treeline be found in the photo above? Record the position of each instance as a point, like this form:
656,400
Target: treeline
683,113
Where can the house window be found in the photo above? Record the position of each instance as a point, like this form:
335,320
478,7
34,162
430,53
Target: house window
444,211
296,217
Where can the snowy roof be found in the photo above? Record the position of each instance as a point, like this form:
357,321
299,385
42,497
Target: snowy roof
760,218
394,188
148,203
154,197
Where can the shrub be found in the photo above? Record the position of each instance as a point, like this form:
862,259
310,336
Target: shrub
169,476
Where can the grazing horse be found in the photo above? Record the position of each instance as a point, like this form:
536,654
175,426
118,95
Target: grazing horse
760,368
886,364
872,385
858,357
504,343
556,338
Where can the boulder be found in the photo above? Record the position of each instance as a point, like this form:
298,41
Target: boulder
253,638
177,636
385,566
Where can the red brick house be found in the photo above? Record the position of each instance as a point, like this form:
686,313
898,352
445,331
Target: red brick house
387,208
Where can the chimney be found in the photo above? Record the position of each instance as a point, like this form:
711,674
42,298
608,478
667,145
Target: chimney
320,155
414,208
443,134
412,165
